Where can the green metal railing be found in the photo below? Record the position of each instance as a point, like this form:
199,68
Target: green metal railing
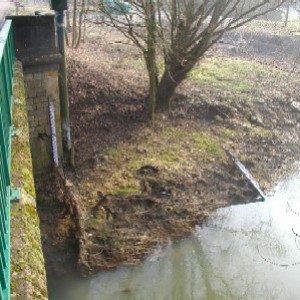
6,77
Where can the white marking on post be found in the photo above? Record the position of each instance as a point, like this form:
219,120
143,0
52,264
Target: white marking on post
53,133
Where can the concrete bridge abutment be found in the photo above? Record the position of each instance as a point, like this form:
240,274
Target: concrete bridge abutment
36,48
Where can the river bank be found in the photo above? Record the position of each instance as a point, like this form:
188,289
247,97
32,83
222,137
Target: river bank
246,252
139,184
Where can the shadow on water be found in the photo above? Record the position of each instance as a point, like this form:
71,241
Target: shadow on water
243,252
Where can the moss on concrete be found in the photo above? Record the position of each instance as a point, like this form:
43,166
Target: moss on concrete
28,275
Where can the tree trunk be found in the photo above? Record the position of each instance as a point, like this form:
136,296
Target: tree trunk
84,27
82,12
74,36
167,86
152,90
287,15
68,27
175,72
150,57
66,38
165,92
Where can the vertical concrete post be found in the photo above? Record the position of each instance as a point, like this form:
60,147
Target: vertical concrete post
63,88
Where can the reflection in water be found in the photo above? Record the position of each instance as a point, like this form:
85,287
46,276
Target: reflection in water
243,252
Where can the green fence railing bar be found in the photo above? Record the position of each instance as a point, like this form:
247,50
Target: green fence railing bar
6,87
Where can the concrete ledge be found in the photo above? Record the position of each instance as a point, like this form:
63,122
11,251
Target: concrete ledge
54,59
28,275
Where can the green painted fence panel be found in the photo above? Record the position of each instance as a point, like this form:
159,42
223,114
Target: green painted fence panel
6,88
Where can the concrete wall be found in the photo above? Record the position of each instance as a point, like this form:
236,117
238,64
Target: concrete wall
41,85
28,275
35,47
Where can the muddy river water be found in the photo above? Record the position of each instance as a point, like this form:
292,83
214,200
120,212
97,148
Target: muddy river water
247,251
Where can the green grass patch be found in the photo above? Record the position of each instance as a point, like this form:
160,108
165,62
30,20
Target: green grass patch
229,133
229,74
206,144
126,190
262,132
173,133
171,150
274,27
170,157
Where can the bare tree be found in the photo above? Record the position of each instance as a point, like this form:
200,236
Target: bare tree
81,17
179,31
78,21
287,13
291,4
74,24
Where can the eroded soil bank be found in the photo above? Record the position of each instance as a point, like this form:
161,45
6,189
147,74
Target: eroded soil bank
138,184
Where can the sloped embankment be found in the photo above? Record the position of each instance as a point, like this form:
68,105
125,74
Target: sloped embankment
139,184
